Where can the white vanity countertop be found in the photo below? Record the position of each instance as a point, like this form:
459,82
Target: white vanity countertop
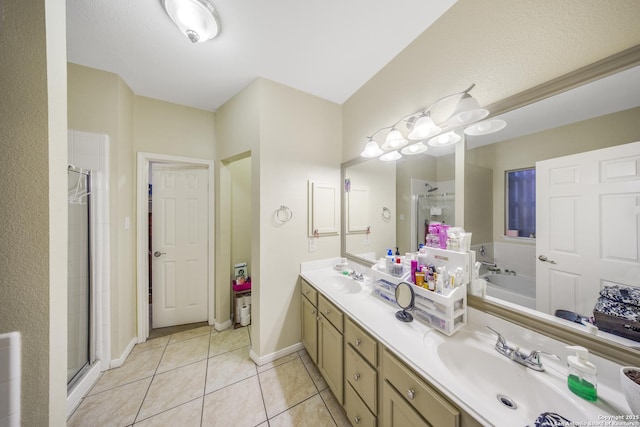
413,342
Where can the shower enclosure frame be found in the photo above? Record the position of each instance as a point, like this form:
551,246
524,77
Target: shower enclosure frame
76,196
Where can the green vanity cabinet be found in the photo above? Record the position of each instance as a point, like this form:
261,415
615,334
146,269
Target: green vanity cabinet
331,346
322,328
308,305
373,385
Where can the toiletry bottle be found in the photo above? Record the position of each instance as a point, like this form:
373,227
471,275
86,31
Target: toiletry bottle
389,261
414,268
582,374
397,267
422,257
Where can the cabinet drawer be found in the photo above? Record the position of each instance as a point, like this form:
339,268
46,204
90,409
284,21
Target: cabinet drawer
357,412
330,311
361,341
362,377
422,397
309,292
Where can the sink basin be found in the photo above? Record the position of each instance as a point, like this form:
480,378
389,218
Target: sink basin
505,388
343,284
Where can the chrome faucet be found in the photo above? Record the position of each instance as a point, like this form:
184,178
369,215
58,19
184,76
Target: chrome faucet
491,266
532,360
356,276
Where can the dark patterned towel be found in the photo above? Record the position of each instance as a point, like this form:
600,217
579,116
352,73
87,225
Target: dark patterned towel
550,419
622,294
617,309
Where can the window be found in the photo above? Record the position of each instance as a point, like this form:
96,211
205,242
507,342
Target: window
521,202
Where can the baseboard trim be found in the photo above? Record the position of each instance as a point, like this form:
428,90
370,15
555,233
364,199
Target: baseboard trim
262,360
74,396
116,363
222,326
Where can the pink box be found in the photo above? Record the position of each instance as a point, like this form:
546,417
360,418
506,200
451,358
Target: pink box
243,287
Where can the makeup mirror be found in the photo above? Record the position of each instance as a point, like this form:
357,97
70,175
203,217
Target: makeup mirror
405,298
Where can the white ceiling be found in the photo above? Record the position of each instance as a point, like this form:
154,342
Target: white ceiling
326,48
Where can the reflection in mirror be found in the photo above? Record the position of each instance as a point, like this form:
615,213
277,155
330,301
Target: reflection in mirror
401,198
560,127
583,241
405,297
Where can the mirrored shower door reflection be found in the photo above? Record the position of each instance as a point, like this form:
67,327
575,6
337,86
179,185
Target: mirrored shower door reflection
79,283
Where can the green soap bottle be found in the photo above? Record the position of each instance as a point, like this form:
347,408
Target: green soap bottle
582,379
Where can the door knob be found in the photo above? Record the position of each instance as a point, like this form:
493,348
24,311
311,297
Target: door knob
544,258
158,254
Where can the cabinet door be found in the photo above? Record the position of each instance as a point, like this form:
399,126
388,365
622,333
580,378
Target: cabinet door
310,329
397,412
330,357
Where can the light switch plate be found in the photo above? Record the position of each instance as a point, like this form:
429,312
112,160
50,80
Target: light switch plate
312,245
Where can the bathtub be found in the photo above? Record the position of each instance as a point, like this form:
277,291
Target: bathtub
519,290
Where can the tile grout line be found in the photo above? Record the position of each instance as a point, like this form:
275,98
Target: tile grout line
206,374
327,406
135,419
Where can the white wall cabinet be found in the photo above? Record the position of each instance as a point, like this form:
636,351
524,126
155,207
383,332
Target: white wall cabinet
323,209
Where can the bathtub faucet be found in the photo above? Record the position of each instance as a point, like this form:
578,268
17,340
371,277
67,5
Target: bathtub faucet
491,266
512,272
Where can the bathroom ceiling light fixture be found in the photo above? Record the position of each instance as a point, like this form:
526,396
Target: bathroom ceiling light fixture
412,149
394,140
372,149
391,156
196,19
485,127
467,111
444,139
423,128
420,126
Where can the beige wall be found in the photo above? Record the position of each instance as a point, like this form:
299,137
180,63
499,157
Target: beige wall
241,212
33,287
300,141
523,152
238,136
479,202
165,128
293,137
101,102
502,46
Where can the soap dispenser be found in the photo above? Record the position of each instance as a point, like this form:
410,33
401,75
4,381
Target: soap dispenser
582,374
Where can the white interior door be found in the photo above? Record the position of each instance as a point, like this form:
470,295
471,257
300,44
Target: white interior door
179,245
588,226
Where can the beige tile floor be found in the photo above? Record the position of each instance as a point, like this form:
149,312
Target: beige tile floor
202,377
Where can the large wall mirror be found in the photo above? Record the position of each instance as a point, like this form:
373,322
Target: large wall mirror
592,108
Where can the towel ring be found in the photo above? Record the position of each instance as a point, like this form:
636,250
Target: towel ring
284,214
386,213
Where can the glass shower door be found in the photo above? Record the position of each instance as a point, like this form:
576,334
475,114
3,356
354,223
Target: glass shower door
79,273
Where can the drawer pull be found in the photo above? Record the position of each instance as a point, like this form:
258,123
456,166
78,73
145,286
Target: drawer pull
313,312
411,394
356,419
356,376
306,292
326,312
357,342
